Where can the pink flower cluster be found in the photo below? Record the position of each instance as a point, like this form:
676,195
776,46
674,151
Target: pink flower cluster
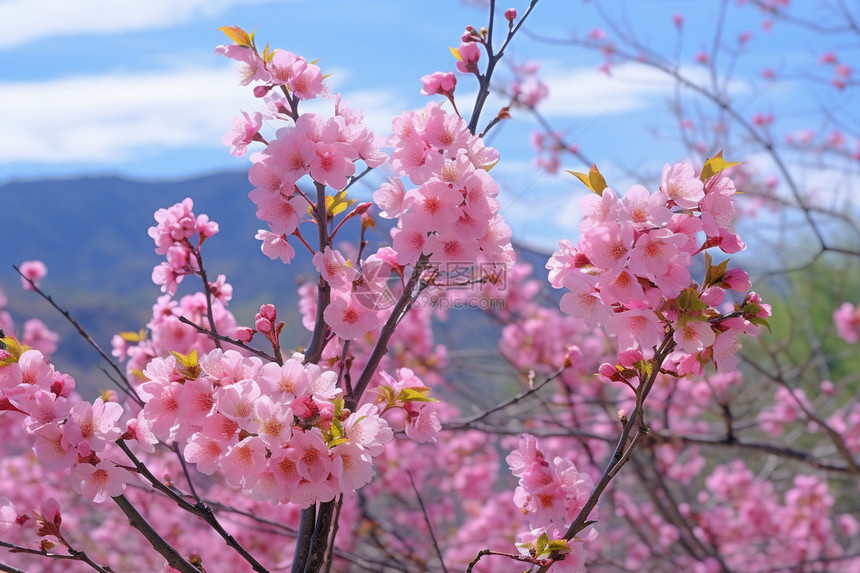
551,492
453,216
281,68
630,271
276,431
551,495
67,433
408,393
324,149
172,235
548,148
527,88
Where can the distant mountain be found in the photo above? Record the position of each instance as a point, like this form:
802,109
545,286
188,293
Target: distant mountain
91,232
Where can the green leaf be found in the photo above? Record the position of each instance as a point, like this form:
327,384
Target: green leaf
715,274
757,320
541,543
415,395
559,545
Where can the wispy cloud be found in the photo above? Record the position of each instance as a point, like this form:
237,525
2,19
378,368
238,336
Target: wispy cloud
587,92
28,20
111,117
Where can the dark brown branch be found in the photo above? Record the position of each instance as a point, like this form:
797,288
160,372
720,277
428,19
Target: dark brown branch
137,521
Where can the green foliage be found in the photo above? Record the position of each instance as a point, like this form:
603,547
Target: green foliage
804,342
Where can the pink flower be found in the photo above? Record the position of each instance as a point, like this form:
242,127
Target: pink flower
367,429
275,246
694,336
271,421
244,129
389,198
636,326
35,271
334,268
680,184
244,461
204,451
442,83
53,449
654,251
330,163
352,466
470,53
8,515
609,245
310,454
100,481
306,80
288,380
95,424
348,318
425,425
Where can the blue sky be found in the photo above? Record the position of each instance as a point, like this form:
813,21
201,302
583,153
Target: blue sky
133,87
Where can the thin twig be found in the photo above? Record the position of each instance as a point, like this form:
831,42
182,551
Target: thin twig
427,521
127,388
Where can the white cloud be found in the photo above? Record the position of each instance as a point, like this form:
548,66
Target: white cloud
588,92
111,117
29,20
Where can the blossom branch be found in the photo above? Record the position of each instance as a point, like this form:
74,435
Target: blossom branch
74,555
137,521
233,341
200,509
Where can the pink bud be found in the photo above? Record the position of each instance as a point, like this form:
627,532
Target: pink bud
50,511
608,370
244,334
510,14
262,325
362,208
678,19
827,387
713,296
304,407
268,311
62,384
843,70
261,91
737,280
